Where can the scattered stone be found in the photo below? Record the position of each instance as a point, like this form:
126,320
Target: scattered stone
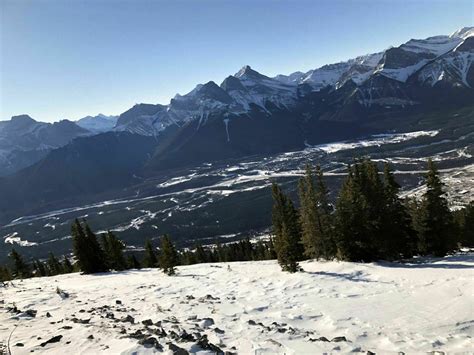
219,331
67,327
147,322
176,350
190,297
194,317
48,315
82,310
110,315
151,342
31,313
54,339
252,322
320,339
128,319
90,337
137,334
80,321
20,344
370,352
118,302
185,336
338,339
204,343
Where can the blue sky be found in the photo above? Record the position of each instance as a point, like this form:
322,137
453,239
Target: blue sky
70,58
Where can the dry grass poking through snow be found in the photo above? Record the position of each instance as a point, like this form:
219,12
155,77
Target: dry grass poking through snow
254,308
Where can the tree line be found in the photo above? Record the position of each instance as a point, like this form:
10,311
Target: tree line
369,221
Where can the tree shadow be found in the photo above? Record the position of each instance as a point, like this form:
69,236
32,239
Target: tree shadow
357,276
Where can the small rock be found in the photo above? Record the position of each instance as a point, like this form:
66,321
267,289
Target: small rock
118,302
219,331
48,315
147,322
31,313
128,319
176,350
90,337
19,344
370,352
319,339
338,339
54,339
252,322
206,323
67,327
150,342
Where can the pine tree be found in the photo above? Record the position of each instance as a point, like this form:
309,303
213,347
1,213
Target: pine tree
67,266
467,227
352,220
436,223
5,274
133,262
54,266
168,255
315,216
150,259
20,268
89,254
287,242
397,233
39,268
113,248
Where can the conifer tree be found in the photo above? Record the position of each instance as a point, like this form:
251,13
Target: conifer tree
39,268
20,268
467,227
133,263
150,259
397,233
5,274
67,266
287,242
168,255
54,266
436,223
89,254
113,248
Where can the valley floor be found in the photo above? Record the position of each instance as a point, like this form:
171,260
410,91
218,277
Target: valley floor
248,308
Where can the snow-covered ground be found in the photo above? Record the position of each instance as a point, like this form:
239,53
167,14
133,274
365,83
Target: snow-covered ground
253,308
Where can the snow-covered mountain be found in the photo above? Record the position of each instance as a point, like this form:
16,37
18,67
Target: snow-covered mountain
98,124
23,140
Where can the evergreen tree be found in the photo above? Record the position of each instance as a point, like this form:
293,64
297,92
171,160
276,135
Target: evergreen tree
20,268
89,254
39,268
67,266
113,248
398,235
133,262
5,274
54,266
200,255
150,259
287,242
436,223
467,227
168,255
315,216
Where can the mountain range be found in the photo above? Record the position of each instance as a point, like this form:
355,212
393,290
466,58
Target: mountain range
45,165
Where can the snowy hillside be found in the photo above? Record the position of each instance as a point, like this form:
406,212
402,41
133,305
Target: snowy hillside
247,308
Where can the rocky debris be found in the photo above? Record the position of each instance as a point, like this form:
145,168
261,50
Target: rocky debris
63,294
338,339
31,313
204,343
176,350
151,342
160,332
186,337
206,323
208,298
138,334
118,302
320,339
128,319
171,319
219,331
251,322
80,321
19,344
147,322
109,315
90,337
190,297
55,339
67,327
48,315
370,352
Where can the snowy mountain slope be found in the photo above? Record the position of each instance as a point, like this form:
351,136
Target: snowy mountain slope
23,141
332,307
98,124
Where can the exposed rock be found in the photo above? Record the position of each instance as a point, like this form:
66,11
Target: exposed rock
176,350
31,313
219,331
204,343
128,319
147,322
338,339
118,302
151,342
319,339
48,315
206,323
19,344
67,327
252,322
90,337
54,339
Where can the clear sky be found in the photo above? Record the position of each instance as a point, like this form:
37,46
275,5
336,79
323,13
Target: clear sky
72,58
